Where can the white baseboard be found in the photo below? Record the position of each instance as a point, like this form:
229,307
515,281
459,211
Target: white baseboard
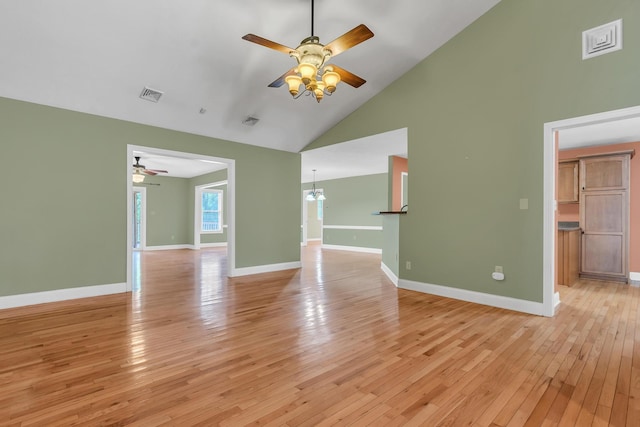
21,300
634,277
258,269
168,247
386,270
352,249
211,245
499,301
556,301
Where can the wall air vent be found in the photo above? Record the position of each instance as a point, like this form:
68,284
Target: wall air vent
151,94
603,39
250,121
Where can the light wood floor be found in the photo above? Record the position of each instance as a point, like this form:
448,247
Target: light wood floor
333,343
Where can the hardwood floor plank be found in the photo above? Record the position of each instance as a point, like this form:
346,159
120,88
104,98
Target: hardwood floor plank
334,343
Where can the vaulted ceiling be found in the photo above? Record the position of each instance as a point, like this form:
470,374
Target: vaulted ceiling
96,57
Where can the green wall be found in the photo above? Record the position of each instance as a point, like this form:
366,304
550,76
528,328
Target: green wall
351,202
391,242
170,209
167,217
65,226
475,111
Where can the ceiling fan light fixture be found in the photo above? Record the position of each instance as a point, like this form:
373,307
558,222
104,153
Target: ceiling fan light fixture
311,56
331,79
137,177
310,197
294,82
307,72
318,91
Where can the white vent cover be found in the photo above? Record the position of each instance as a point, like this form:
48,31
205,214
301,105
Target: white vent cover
250,121
603,39
151,94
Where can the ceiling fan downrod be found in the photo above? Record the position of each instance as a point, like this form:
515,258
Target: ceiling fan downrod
312,9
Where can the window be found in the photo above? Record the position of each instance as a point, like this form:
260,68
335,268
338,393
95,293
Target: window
211,217
320,211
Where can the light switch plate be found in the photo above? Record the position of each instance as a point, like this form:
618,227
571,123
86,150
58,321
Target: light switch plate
524,204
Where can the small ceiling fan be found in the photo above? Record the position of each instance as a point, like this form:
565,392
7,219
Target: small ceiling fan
317,78
138,168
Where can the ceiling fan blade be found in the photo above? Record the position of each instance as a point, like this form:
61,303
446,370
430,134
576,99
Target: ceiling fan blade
349,39
267,43
156,170
280,80
348,77
149,172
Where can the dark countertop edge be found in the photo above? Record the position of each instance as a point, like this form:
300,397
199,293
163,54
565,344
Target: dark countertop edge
568,228
390,213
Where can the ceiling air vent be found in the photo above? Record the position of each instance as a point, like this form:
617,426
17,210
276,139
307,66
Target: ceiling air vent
603,39
250,121
151,94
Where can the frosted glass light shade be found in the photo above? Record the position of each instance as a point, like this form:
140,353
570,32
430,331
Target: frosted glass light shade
294,83
138,177
307,72
331,80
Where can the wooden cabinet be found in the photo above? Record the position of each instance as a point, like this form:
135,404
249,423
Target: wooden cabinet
608,172
568,253
604,216
568,184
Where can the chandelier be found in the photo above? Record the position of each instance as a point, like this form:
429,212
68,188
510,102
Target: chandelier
315,194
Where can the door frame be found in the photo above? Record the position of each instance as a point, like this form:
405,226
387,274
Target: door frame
550,298
143,220
231,203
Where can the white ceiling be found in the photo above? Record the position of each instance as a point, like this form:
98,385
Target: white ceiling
96,57
612,132
177,167
363,156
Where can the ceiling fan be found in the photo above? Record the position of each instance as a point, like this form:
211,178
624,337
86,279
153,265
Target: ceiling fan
317,78
139,171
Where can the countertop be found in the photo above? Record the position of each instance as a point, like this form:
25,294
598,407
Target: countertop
568,225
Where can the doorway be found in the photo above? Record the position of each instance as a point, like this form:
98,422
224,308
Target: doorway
550,296
312,217
131,207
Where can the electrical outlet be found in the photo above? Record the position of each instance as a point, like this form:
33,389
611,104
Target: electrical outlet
498,269
408,265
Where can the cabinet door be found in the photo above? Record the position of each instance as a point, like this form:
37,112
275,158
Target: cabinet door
604,173
568,182
604,240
